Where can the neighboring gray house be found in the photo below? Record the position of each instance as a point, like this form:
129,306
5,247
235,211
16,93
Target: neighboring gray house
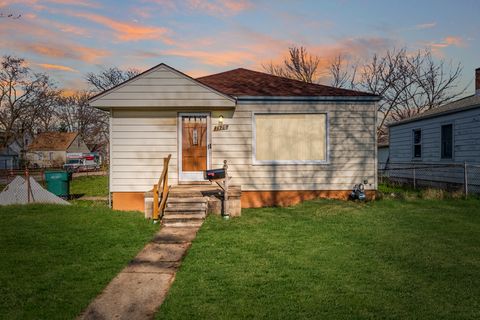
445,136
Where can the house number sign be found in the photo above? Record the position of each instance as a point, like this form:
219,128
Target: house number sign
220,127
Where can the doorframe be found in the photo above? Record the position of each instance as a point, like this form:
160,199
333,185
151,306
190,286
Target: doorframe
194,176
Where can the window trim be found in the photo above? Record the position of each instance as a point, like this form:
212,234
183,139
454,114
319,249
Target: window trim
294,162
453,141
414,144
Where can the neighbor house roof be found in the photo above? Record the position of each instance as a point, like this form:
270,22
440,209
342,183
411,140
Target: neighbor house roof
52,141
466,103
244,82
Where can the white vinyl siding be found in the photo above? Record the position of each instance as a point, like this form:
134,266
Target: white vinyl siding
162,87
141,138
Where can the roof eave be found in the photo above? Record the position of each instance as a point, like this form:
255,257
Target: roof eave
372,98
433,115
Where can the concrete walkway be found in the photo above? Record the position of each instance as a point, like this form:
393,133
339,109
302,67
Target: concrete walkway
139,289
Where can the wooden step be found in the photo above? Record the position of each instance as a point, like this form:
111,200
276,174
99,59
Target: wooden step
185,208
181,224
186,200
184,216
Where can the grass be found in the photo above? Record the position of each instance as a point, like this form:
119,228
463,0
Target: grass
402,259
55,259
93,186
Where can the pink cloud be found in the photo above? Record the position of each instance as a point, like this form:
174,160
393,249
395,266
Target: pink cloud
211,7
126,31
449,41
64,51
56,67
215,58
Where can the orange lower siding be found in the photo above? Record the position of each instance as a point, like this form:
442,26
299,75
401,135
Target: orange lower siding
128,201
250,199
257,199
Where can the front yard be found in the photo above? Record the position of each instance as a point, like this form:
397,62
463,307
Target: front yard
404,259
55,259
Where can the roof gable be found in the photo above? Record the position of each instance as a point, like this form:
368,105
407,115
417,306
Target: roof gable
162,86
244,82
52,141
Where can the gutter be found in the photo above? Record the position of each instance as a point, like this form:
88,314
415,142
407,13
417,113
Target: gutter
260,99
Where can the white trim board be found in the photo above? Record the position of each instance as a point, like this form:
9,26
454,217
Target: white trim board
196,176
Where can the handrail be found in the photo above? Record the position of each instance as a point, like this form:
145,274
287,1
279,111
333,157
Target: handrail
162,184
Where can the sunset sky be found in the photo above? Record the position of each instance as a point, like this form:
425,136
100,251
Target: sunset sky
68,38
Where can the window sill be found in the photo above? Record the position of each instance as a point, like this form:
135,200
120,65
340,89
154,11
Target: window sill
288,162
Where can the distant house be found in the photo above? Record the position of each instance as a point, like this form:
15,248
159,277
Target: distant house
446,135
284,140
50,149
8,158
11,154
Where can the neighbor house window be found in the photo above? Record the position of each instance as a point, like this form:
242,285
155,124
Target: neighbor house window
447,142
290,138
417,143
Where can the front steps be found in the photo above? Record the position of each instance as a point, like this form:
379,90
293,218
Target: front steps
183,210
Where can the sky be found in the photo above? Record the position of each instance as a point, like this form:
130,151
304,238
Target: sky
68,38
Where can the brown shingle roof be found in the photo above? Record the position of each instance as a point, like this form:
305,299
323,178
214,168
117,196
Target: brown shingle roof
52,141
244,82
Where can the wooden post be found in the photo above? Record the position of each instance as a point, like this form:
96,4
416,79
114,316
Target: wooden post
414,178
465,179
226,213
27,176
155,202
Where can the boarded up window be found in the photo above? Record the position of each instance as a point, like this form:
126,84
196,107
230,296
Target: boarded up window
291,137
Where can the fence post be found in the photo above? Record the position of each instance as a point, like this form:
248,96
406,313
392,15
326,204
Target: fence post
414,178
465,179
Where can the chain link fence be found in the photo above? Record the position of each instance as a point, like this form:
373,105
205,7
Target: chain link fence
452,177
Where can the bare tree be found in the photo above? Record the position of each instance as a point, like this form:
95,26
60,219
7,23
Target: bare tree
300,65
75,115
24,99
342,73
109,77
408,83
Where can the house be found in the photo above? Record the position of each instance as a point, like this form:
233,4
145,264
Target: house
447,136
8,159
11,154
50,149
284,140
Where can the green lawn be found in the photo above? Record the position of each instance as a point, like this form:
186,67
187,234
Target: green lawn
403,259
55,259
89,186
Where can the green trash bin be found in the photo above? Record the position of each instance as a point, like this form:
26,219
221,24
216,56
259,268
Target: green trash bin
58,183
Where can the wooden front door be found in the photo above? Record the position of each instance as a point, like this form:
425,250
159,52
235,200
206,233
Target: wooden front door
194,146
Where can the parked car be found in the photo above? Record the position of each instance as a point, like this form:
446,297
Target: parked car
78,165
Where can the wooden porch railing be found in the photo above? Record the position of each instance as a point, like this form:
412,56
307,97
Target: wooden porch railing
160,191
